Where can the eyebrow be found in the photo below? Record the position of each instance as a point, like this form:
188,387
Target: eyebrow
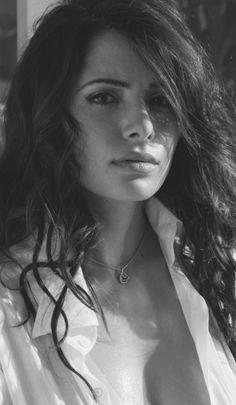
114,82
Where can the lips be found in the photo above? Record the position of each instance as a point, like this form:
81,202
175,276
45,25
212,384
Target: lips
138,157
137,162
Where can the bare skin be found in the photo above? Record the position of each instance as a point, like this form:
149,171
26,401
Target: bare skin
148,356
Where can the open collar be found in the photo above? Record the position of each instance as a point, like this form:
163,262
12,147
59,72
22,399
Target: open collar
83,322
165,225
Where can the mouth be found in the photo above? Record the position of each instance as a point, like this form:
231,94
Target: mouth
139,162
139,157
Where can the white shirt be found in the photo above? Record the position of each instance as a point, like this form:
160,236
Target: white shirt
31,372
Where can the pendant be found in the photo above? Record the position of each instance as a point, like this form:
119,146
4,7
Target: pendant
123,277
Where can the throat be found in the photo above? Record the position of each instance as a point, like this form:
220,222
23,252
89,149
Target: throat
114,255
121,225
120,270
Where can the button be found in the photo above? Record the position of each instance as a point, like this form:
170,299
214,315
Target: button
98,392
84,342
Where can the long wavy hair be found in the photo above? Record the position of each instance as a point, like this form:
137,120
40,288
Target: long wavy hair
40,194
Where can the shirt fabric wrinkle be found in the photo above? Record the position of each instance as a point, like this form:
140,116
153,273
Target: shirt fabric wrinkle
48,371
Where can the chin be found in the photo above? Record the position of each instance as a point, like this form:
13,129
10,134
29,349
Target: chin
136,193
129,191
144,189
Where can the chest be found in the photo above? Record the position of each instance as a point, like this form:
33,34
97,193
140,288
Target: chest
148,355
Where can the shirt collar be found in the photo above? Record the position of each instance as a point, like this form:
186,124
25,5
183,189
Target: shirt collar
167,228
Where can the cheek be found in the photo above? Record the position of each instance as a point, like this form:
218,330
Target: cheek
169,137
99,132
92,152
166,128
171,146
98,120
170,143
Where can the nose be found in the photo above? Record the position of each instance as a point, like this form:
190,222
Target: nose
137,125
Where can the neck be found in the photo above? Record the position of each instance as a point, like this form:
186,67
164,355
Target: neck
122,225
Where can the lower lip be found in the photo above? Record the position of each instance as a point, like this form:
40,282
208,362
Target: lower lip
137,166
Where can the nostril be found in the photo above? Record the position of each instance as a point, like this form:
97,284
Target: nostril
137,126
134,135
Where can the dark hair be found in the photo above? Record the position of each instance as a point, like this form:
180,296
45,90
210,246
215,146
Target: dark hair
39,190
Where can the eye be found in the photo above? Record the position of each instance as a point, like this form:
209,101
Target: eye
103,98
159,101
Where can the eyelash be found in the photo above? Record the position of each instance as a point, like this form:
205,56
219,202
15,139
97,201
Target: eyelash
103,94
162,101
109,98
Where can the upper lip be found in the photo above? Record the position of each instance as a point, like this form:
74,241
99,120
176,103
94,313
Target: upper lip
139,157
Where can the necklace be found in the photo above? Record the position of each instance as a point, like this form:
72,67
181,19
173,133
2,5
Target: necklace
123,277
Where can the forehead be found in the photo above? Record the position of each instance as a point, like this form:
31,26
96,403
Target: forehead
112,55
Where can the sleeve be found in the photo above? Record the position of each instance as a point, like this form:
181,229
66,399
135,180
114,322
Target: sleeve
220,344
4,393
5,398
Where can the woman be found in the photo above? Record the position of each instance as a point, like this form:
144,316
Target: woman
117,214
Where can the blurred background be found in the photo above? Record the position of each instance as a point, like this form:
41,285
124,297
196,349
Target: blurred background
8,43
212,21
214,24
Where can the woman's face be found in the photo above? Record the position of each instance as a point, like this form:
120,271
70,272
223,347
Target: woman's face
128,130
